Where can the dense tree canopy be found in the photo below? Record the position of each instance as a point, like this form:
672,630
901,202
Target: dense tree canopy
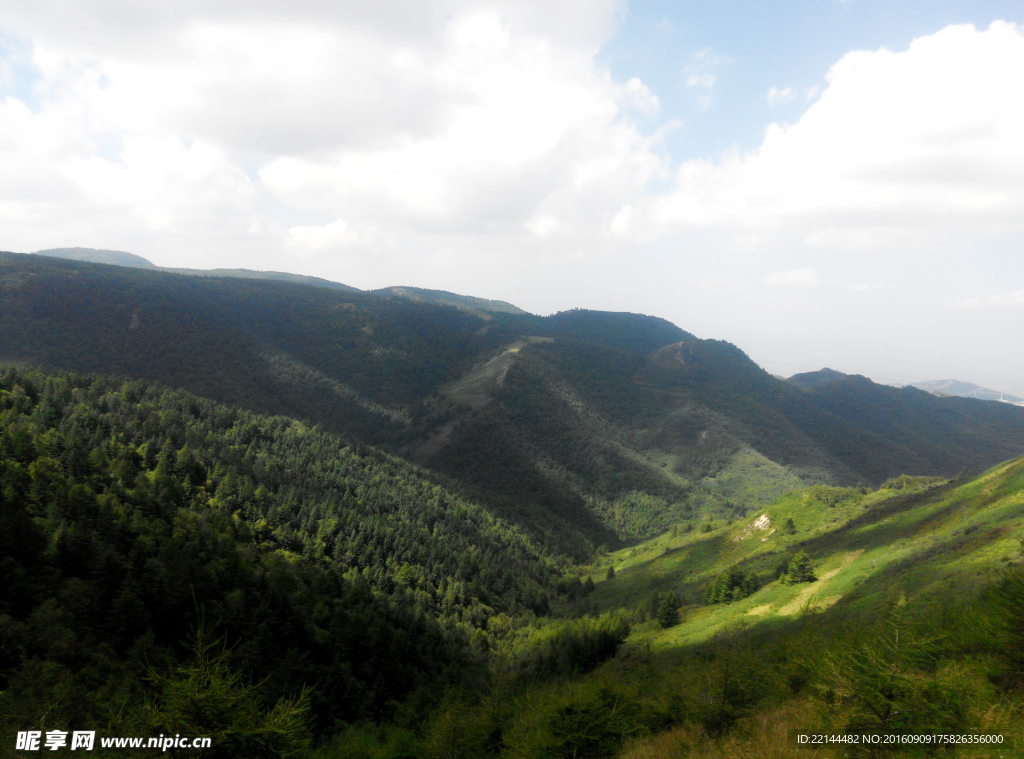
130,515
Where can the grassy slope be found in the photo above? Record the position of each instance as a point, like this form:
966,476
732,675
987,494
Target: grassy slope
924,542
731,683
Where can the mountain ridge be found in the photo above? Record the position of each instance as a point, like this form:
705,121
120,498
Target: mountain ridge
121,258
965,390
586,428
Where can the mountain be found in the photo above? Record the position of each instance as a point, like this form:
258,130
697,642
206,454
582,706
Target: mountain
416,294
275,276
372,368
134,518
584,428
92,255
965,390
175,565
120,258
443,298
814,380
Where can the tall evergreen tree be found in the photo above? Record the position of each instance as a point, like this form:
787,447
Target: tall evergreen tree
799,569
668,611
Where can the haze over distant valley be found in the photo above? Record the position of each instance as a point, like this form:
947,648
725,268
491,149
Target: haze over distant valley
406,509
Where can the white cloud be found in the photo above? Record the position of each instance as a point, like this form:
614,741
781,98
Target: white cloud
866,287
913,149
776,96
223,131
798,278
641,98
1002,300
701,75
1010,299
410,121
314,238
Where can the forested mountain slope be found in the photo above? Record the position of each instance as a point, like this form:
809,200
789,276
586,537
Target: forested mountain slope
873,431
419,295
131,516
583,427
696,427
355,362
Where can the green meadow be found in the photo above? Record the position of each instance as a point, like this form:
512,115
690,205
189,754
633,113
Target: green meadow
914,624
922,539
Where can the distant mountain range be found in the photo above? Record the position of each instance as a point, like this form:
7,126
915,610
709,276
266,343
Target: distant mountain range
584,428
940,388
439,297
965,390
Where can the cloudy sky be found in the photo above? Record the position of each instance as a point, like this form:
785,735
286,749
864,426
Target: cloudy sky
822,183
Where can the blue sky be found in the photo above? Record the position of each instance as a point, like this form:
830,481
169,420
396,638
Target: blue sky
752,47
821,183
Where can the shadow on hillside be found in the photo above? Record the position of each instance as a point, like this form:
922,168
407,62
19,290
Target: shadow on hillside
640,581
923,573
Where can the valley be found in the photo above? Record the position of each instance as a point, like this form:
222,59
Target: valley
559,420
330,523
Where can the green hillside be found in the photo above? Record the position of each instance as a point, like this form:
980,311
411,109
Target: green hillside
696,428
814,380
920,533
850,431
585,428
911,623
416,294
132,516
273,276
120,258
169,564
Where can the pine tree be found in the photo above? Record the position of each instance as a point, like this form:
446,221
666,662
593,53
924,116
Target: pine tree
668,612
799,569
610,575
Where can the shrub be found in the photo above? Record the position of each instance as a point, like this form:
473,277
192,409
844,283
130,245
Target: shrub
1007,623
565,647
884,684
798,569
732,585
